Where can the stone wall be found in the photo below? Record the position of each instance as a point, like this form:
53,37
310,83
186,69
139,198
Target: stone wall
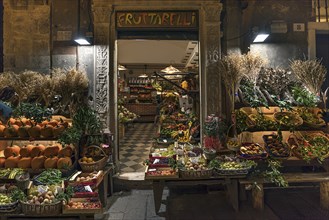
26,35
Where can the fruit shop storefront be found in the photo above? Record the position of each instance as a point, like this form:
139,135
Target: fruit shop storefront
189,20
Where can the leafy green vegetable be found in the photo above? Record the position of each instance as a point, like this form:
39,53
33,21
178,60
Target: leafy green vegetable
18,195
50,177
33,111
303,97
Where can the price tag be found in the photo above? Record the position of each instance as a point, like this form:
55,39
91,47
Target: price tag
42,189
88,188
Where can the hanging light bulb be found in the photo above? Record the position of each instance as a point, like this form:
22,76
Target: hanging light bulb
170,70
121,67
144,75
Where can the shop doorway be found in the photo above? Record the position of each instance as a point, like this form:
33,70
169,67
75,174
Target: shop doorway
146,92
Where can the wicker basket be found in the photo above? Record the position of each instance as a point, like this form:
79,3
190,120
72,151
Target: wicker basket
293,119
97,165
195,173
44,210
11,207
295,143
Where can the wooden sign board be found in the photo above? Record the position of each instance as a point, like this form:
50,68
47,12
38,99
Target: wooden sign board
157,19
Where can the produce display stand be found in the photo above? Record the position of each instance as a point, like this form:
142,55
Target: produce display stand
105,189
292,166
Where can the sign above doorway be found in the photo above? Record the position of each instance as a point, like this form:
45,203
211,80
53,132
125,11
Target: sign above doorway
157,19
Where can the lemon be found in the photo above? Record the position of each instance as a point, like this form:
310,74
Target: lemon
84,159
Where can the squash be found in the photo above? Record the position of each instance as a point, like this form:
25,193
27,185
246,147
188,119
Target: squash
26,150
38,162
11,151
24,162
52,151
2,128
65,152
11,162
58,130
11,121
47,131
11,130
23,131
51,162
34,131
2,162
37,150
64,163
53,122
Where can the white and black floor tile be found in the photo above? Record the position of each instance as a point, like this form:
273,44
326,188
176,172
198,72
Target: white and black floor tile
135,146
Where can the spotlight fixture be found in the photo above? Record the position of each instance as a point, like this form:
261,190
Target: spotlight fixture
81,39
261,37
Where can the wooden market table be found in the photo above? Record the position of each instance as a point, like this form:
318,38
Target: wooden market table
231,182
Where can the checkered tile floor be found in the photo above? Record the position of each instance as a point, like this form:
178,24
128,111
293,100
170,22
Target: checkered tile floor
135,146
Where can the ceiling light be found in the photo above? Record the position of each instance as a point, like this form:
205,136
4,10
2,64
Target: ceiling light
170,69
143,76
260,38
121,67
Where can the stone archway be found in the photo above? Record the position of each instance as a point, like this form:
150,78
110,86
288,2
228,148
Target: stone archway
105,84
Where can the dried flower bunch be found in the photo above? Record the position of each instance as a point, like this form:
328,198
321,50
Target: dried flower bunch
251,65
69,82
310,72
42,88
230,68
275,81
25,83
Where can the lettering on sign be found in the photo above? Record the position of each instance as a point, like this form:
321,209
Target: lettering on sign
157,19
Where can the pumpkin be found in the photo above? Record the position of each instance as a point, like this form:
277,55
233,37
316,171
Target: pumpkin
2,128
23,131
37,150
58,130
24,162
38,162
64,123
43,123
34,131
51,162
2,162
29,122
11,121
51,151
65,152
11,130
53,122
26,150
47,131
11,151
64,163
11,162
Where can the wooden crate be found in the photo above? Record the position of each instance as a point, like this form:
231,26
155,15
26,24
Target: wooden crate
121,131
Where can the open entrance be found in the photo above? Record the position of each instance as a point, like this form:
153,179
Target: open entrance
158,94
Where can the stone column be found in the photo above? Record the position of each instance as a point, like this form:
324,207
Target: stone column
102,77
211,49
